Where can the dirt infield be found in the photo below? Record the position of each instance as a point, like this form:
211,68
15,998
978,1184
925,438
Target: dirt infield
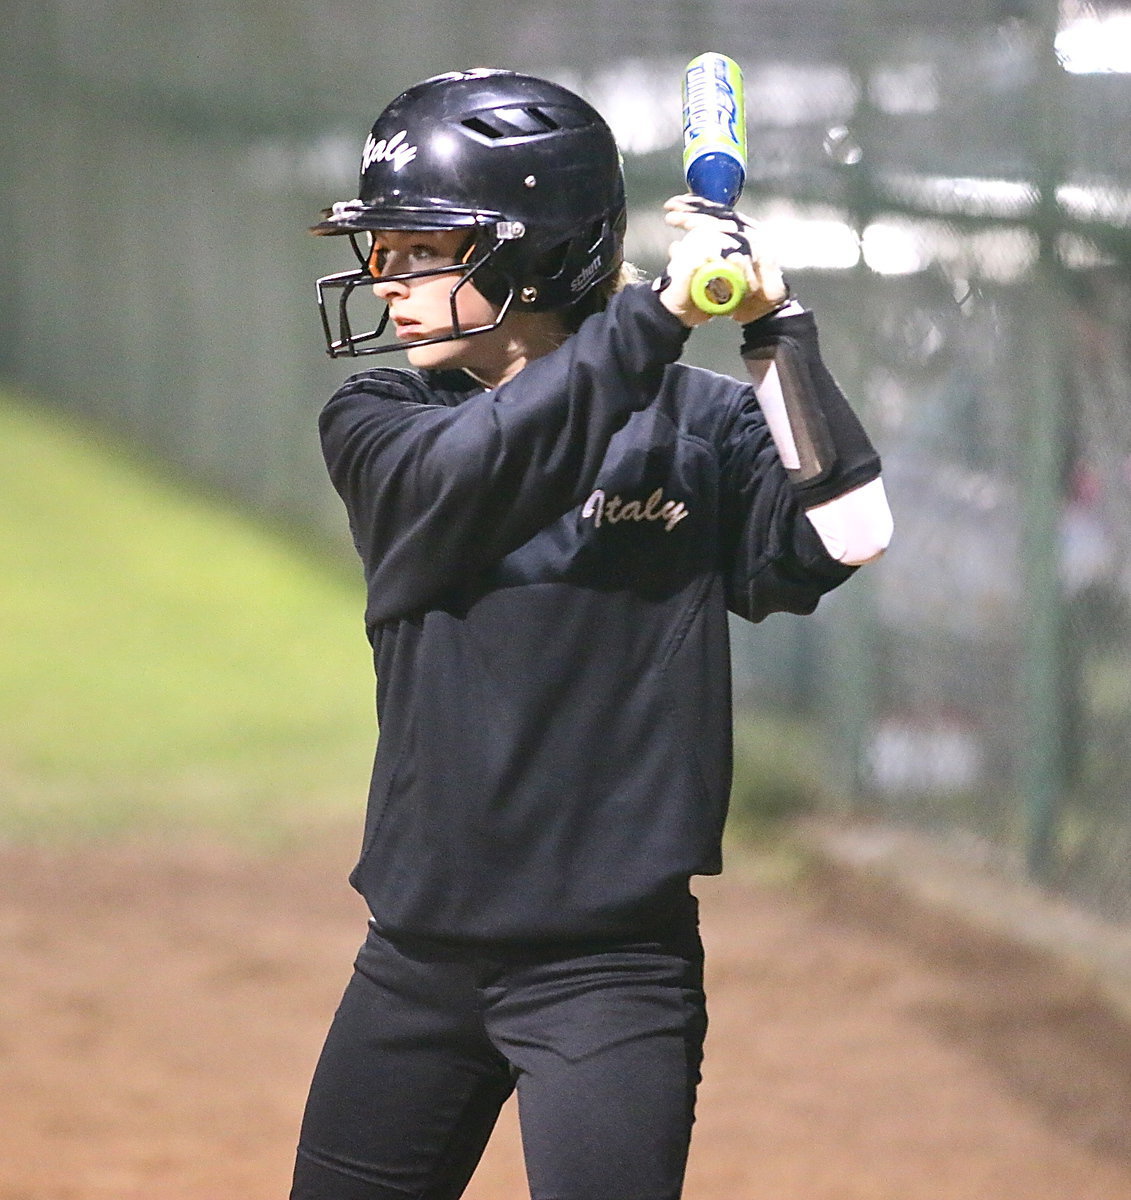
161,1008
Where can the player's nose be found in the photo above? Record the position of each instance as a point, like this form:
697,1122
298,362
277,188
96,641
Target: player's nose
390,289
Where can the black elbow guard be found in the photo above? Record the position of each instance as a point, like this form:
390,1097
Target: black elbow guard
824,448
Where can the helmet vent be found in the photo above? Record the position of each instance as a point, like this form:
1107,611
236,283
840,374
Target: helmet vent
511,123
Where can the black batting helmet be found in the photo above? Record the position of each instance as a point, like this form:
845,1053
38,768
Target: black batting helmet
530,169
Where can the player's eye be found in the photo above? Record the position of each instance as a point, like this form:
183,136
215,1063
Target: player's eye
423,255
382,262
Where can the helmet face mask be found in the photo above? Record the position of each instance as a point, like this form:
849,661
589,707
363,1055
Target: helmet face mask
529,169
346,343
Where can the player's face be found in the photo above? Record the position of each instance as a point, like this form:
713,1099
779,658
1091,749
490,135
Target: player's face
421,308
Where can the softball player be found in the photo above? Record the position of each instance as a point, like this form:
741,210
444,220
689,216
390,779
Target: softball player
554,516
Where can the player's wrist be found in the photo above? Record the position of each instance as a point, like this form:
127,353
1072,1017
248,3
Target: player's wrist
677,300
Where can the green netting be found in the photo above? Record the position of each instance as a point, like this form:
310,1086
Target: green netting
950,187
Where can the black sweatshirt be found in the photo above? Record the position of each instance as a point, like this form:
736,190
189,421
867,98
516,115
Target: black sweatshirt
549,567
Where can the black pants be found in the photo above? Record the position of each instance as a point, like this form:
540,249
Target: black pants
603,1043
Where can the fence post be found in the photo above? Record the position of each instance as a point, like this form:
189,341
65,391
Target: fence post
1042,760
1042,774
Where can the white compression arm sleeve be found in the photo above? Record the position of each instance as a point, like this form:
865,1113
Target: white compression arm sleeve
856,527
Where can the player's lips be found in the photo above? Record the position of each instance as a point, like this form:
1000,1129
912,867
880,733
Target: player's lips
407,328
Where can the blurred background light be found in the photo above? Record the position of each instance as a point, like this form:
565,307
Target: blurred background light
1093,43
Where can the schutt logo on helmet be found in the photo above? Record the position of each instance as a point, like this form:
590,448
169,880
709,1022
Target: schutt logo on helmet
579,281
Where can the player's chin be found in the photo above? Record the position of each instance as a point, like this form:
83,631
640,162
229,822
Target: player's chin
438,355
434,355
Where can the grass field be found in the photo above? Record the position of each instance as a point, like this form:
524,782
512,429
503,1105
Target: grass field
165,662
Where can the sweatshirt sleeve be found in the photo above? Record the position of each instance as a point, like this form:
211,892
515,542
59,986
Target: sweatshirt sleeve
775,560
436,494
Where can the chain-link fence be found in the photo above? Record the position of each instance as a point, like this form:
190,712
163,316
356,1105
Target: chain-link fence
949,189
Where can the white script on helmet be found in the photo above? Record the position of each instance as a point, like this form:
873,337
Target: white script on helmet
585,275
391,150
615,509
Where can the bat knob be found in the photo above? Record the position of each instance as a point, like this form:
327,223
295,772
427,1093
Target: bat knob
717,288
